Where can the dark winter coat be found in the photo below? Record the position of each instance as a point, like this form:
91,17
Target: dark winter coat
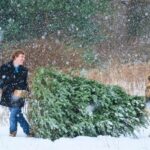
11,80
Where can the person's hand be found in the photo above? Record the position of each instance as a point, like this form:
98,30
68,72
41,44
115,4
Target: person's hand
20,93
30,95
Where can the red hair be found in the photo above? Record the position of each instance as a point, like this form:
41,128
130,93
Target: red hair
17,53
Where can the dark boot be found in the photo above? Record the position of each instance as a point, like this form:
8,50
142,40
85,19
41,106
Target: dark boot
31,134
12,134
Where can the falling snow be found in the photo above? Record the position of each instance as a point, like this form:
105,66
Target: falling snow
110,45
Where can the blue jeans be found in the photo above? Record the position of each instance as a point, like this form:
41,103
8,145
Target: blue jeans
15,117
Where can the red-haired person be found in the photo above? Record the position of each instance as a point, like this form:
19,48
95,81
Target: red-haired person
13,82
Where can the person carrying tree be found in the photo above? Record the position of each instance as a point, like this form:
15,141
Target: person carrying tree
13,83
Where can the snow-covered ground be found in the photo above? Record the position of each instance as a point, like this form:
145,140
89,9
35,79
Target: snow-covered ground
21,142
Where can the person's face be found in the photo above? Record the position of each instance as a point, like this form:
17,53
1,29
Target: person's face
20,59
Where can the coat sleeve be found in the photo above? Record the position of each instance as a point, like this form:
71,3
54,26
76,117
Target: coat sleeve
22,84
1,76
26,81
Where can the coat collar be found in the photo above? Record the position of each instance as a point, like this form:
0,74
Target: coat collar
11,65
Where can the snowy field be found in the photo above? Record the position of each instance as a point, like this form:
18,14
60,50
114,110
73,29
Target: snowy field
21,142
